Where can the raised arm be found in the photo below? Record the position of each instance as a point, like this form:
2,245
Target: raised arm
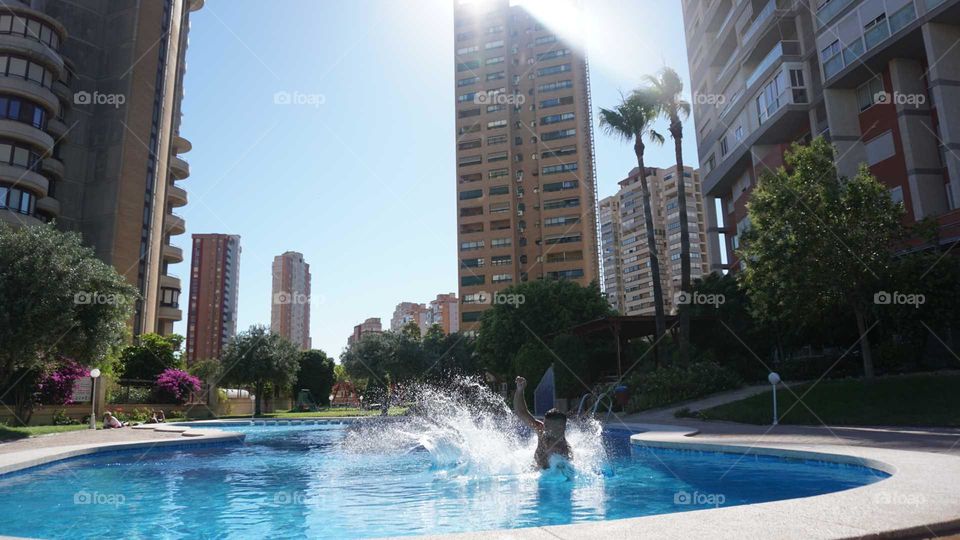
520,406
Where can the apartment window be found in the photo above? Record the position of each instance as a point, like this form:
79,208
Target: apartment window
499,208
501,260
552,70
463,36
468,50
556,102
468,66
467,113
16,153
554,169
543,40
471,316
496,156
474,298
880,148
501,243
496,124
471,211
472,263
561,221
500,190
469,160
472,194
494,60
550,55
496,76
502,278
738,133
498,173
496,29
563,239
468,81
495,108
496,139
13,66
29,28
554,86
473,128
870,93
560,134
557,152
471,246
876,31
572,202
17,200
468,145
723,146
21,110
467,281
493,44
469,228
500,225
565,256
566,274
896,195
555,118
559,186
830,51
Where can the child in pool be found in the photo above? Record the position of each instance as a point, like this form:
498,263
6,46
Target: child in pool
551,433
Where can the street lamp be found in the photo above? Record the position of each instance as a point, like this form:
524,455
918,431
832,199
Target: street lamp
774,379
94,374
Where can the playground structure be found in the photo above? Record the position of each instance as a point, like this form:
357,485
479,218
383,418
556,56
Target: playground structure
344,394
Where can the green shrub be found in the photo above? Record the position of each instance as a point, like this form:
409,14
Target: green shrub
678,383
60,418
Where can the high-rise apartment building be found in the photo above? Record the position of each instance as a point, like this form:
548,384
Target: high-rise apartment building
290,310
370,326
214,292
407,312
626,255
90,133
610,250
444,310
879,78
526,195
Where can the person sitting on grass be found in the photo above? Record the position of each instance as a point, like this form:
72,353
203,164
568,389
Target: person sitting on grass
110,421
551,433
161,419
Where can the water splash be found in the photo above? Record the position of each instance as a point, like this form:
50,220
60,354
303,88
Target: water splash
470,433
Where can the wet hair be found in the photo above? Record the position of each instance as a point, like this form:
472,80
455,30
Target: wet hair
554,414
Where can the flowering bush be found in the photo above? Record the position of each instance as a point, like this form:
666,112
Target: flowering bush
56,387
176,385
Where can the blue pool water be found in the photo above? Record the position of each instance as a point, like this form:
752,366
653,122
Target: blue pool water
329,481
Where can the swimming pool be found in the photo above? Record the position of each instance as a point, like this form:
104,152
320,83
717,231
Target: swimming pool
336,481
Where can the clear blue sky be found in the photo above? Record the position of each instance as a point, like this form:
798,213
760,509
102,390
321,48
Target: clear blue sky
362,184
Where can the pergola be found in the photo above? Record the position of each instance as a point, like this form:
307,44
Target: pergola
627,327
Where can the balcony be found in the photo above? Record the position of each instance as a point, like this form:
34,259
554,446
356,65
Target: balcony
49,206
168,281
781,49
759,22
181,145
52,166
12,129
171,253
179,168
175,224
177,196
57,128
169,313
830,10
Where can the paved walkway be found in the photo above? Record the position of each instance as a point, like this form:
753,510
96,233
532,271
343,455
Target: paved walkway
940,440
84,436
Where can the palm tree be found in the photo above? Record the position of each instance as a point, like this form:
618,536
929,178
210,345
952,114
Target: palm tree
631,120
668,88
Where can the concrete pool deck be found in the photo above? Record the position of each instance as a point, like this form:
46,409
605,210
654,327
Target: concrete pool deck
921,498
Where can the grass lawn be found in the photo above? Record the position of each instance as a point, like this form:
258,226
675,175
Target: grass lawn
906,400
8,433
324,413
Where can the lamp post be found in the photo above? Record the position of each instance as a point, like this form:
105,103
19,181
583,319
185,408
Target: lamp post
94,374
774,378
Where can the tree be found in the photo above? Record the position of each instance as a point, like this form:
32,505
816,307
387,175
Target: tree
668,89
818,241
56,299
258,358
316,374
150,356
539,308
411,330
449,355
386,357
631,120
